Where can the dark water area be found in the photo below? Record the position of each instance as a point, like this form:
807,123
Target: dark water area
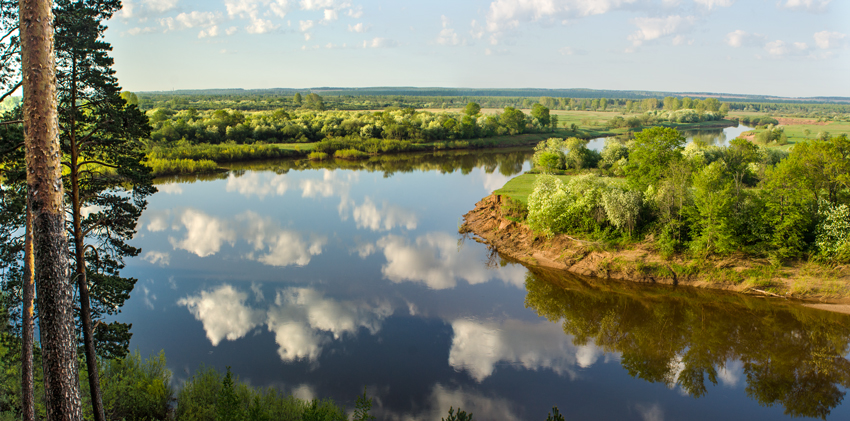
323,278
709,137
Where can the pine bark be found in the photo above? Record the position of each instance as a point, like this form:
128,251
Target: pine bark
45,196
27,328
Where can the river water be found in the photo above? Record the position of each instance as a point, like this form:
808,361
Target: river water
320,279
710,137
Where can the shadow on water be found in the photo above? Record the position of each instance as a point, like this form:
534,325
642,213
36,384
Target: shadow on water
791,355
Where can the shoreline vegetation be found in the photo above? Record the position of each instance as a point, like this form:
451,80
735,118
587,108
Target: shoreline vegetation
407,131
744,217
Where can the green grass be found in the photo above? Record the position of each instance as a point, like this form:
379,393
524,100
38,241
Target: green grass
519,187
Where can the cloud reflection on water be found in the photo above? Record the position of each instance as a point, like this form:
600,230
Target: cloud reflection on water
303,320
436,260
477,347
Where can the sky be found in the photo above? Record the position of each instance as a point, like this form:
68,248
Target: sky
796,48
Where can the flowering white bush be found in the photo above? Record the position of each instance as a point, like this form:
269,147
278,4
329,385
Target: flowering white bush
622,208
833,235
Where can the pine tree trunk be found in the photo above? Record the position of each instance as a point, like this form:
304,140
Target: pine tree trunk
27,328
45,195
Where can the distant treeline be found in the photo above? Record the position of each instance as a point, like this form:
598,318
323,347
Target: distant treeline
311,126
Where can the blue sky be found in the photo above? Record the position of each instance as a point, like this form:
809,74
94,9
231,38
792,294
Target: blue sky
769,47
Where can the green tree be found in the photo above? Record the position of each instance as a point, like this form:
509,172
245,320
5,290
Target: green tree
45,196
713,203
228,406
654,149
297,98
513,120
104,170
541,113
472,109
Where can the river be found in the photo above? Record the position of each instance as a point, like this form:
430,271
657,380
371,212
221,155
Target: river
320,279
710,137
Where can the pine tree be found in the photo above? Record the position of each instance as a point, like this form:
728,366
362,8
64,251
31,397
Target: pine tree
102,155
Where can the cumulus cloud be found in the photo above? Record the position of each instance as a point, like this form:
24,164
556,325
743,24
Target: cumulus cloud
434,260
830,40
332,183
442,397
223,313
447,36
157,258
143,8
204,234
780,48
506,14
379,42
651,412
260,184
261,26
303,320
359,28
386,218
157,221
653,28
191,20
170,188
478,347
278,247
305,25
807,5
711,4
139,30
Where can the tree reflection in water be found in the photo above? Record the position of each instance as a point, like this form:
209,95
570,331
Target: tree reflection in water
791,355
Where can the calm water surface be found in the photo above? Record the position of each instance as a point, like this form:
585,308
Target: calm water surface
711,137
323,280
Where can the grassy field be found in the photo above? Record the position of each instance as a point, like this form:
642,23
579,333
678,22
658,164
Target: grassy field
519,187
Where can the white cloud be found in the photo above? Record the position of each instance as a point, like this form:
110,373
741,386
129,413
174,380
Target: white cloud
442,397
476,30
140,30
331,15
332,183
210,32
254,8
447,36
359,28
355,13
808,5
157,258
731,373
506,14
780,48
740,38
435,260
302,318
388,217
829,40
379,42
478,348
142,8
281,247
650,412
305,25
223,313
157,220
711,4
149,297
170,188
204,234
653,28
317,4
261,26
364,250
232,30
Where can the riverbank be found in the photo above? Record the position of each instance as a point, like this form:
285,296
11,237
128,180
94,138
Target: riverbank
641,263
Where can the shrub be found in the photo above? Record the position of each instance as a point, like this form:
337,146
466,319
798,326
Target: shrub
136,390
317,156
160,167
833,234
622,208
350,154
